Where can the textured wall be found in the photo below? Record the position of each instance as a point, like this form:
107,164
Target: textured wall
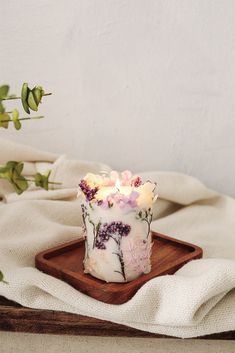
137,84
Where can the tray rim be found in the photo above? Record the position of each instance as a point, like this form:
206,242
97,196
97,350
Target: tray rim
42,259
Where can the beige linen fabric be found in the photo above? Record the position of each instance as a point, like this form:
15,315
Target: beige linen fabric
198,300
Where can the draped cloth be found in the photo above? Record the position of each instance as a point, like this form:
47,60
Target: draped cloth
199,299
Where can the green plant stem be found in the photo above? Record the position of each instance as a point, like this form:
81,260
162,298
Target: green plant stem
26,118
49,182
32,118
11,98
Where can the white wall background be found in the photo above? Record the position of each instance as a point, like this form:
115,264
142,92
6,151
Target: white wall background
137,84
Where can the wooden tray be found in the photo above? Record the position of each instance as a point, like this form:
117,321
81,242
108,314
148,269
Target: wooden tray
66,263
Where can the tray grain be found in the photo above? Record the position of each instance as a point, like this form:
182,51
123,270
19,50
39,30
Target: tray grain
66,263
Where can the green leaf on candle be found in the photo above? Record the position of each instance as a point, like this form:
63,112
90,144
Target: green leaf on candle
90,204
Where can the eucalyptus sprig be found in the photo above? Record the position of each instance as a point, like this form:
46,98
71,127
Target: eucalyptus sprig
13,117
30,99
12,172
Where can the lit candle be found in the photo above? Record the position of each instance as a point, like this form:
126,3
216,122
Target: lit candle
117,213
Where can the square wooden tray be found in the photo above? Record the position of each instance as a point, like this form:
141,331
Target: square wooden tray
66,263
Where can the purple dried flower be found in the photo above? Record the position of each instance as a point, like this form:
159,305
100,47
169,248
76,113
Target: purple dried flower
103,235
126,229
136,182
111,230
100,245
87,190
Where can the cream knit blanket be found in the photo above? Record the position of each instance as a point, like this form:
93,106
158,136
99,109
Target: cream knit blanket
198,300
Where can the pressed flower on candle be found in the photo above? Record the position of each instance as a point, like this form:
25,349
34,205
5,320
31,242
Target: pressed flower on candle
117,213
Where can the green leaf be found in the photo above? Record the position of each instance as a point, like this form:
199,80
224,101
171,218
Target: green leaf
11,171
31,102
17,125
3,171
20,184
4,91
4,120
38,92
38,179
31,98
19,166
42,180
15,115
15,119
24,97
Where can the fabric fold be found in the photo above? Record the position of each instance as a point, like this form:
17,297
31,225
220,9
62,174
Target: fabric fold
198,300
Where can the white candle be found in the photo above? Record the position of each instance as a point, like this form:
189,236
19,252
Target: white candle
117,214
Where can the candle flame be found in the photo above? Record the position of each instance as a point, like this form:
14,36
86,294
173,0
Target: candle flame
117,184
